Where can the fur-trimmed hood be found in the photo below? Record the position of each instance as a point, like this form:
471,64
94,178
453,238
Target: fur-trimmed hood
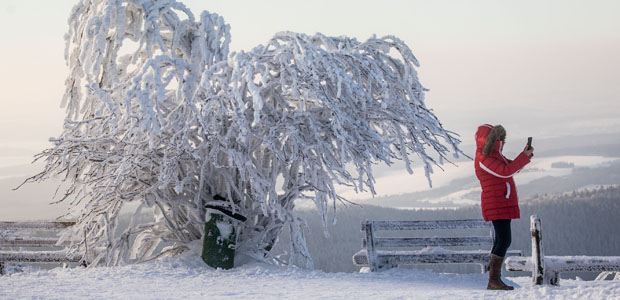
489,138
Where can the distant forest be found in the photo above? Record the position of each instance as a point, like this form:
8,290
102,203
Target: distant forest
576,223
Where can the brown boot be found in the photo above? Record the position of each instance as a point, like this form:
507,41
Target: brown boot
495,272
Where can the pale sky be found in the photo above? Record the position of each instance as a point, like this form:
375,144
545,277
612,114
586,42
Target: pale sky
540,68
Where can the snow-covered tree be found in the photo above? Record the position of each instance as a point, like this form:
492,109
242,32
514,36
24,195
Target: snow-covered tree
161,117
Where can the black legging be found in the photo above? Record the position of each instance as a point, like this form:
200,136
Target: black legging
503,237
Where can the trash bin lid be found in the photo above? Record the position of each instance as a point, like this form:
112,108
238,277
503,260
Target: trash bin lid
225,207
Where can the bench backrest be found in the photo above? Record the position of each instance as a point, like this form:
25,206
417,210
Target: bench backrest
12,234
35,225
371,227
38,238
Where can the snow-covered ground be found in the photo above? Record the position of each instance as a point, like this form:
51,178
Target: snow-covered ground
538,168
541,167
400,182
188,277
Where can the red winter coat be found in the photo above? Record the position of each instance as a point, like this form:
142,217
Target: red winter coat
499,193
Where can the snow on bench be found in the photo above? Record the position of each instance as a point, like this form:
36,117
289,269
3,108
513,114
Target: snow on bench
547,269
385,252
19,235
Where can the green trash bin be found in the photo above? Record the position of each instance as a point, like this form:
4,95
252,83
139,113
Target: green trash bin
218,248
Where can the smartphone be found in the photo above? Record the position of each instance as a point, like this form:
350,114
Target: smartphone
529,143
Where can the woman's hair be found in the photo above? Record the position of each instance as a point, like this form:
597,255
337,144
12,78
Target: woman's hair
497,133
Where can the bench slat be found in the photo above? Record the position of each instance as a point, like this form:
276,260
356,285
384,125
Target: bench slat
582,263
415,257
432,241
36,256
36,225
567,263
428,225
519,264
408,259
28,241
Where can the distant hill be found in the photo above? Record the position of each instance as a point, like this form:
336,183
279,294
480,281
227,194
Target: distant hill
468,188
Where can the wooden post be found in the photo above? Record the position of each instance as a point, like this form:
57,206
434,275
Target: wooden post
370,247
538,259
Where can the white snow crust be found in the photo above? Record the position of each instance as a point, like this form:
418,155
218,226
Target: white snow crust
225,229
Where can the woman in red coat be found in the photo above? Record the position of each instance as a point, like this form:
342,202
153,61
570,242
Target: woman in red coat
499,200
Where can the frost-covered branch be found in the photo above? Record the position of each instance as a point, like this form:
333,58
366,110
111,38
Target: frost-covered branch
161,117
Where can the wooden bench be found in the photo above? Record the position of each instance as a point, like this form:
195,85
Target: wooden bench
547,269
17,243
386,252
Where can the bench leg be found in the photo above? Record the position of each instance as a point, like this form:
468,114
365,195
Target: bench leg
552,277
484,267
1,268
603,275
383,267
555,280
